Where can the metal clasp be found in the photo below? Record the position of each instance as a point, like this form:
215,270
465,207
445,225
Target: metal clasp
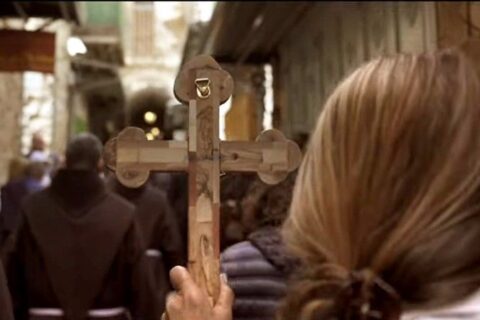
203,88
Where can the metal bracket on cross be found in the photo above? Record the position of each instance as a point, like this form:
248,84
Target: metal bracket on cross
204,86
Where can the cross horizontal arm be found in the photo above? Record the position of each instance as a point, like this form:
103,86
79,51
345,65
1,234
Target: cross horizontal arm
236,156
272,156
153,155
243,156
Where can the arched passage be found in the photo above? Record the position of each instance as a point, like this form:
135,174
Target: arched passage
147,110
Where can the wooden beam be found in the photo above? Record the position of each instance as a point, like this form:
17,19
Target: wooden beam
64,10
20,10
157,155
292,19
253,36
95,63
100,39
45,24
452,23
214,29
95,85
235,156
251,20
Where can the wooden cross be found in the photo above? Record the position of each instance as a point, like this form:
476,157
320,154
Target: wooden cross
204,86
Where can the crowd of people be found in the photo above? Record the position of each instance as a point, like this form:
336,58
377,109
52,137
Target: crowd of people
75,243
378,223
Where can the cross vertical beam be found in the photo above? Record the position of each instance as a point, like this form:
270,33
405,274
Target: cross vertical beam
203,190
204,85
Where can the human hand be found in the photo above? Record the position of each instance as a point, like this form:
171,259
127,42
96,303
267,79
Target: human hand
190,302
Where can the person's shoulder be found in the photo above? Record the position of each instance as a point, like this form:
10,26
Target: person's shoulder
34,202
33,198
16,184
118,203
156,192
155,196
245,260
241,251
117,210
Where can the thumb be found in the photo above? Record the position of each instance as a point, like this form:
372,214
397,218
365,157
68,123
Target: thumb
181,279
226,295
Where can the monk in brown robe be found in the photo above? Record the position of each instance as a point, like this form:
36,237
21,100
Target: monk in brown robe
161,233
78,253
5,302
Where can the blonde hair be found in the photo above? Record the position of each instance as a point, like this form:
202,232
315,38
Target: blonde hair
390,184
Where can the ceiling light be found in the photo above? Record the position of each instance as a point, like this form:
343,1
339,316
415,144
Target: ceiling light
155,131
150,136
150,117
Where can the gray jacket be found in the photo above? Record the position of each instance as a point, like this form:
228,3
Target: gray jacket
258,270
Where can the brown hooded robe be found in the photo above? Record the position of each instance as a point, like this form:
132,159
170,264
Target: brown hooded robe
79,248
159,230
5,303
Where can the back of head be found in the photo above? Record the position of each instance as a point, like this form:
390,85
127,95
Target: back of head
386,209
38,143
84,152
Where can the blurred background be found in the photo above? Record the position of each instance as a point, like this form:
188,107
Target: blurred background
68,67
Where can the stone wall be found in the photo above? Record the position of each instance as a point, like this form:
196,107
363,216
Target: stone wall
62,92
11,102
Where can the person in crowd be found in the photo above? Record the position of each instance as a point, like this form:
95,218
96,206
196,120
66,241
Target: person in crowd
12,194
258,269
177,195
78,252
233,189
301,139
386,206
56,162
37,144
161,234
6,312
43,159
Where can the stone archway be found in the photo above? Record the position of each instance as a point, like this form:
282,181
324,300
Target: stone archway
151,101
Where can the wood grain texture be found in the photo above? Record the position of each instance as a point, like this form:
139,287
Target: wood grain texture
452,24
272,156
411,27
381,29
202,156
204,215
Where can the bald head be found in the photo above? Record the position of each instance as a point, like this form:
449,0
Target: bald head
84,152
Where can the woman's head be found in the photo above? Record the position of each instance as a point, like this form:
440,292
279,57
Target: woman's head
391,184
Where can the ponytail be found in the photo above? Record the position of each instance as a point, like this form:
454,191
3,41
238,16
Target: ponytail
333,293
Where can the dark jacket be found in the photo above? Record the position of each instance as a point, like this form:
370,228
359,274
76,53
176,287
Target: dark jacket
12,195
177,194
258,270
5,302
159,229
79,248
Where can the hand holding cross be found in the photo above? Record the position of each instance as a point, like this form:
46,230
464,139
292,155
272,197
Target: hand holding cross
204,86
